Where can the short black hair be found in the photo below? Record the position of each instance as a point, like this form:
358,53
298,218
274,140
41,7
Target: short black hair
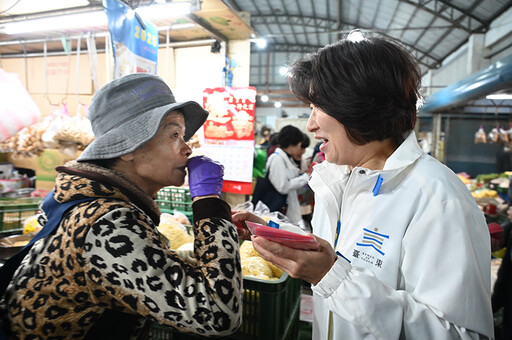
370,86
274,138
289,135
305,141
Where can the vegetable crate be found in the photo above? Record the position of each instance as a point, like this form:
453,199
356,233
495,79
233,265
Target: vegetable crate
14,211
270,312
170,199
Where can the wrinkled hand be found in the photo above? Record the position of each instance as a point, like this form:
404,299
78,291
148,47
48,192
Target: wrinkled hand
310,266
239,217
205,176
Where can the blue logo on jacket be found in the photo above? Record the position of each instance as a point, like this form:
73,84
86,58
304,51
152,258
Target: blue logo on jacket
373,239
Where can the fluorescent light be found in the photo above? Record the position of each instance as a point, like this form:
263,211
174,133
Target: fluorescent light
499,96
61,22
264,98
277,104
86,20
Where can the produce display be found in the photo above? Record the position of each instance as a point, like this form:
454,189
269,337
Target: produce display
69,134
254,266
174,232
31,225
490,192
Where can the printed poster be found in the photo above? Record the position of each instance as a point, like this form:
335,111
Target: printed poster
229,134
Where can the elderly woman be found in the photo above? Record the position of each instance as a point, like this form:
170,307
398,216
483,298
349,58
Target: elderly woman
404,250
104,273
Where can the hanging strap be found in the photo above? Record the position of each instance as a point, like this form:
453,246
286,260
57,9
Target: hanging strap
54,212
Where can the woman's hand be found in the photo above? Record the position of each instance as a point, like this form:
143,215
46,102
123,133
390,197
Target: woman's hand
310,266
205,177
239,217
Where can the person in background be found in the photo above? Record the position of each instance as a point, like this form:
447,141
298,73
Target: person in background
306,196
105,273
316,150
283,172
273,143
265,133
300,160
404,251
502,292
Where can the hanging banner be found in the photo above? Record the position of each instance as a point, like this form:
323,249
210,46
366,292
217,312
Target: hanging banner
134,41
229,134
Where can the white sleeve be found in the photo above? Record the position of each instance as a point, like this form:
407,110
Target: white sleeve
279,178
446,288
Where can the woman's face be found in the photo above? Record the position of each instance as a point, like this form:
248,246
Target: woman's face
296,151
161,162
336,145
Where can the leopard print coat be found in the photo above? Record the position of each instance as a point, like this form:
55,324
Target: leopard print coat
105,273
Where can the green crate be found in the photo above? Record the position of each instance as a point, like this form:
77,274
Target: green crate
270,312
174,198
14,211
271,308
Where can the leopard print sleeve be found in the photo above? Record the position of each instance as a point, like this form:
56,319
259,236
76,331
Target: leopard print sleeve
128,267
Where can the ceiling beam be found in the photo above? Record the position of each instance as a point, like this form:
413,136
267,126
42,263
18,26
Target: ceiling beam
291,48
207,27
465,12
307,21
438,13
232,5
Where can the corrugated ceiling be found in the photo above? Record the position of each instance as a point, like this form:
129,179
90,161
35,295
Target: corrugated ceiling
430,29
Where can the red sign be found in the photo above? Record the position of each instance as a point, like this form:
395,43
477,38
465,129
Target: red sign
231,123
231,112
237,187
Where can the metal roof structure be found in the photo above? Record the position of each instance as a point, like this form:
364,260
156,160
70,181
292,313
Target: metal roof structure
431,29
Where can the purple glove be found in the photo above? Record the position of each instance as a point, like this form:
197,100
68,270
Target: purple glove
204,176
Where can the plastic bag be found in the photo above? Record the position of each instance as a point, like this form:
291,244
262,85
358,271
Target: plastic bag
493,136
263,211
18,109
480,136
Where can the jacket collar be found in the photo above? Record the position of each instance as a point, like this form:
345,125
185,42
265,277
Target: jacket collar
88,180
289,162
408,152
328,180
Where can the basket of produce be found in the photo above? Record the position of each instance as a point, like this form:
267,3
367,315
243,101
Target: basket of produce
13,212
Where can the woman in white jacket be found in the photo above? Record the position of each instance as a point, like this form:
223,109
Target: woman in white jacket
284,173
404,250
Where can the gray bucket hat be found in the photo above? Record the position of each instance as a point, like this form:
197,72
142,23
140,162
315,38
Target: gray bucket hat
126,113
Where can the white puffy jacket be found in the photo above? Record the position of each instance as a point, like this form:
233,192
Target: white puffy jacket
285,176
419,252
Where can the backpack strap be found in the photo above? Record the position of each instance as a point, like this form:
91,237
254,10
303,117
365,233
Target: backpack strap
54,212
